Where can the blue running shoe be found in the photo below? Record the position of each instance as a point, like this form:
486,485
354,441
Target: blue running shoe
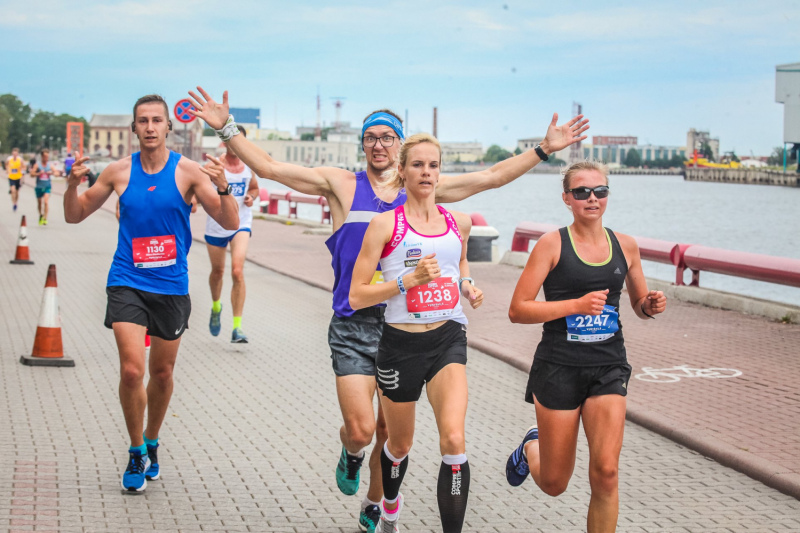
517,466
133,479
347,472
214,324
368,520
238,336
154,472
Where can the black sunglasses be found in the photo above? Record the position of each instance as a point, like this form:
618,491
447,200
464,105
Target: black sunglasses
583,193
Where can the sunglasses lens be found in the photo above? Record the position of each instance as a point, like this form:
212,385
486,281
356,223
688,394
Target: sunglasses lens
601,192
581,193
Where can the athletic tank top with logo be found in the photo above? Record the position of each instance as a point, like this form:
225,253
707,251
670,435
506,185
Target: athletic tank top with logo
14,168
43,175
345,244
585,340
154,233
239,181
437,300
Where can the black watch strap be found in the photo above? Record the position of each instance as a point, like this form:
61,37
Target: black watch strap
226,192
543,156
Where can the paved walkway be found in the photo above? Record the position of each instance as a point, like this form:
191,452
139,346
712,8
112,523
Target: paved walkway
250,442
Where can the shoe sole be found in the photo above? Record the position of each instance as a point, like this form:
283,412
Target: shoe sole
153,478
134,489
239,341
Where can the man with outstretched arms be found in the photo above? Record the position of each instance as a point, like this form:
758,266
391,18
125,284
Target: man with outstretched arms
14,166
148,283
354,198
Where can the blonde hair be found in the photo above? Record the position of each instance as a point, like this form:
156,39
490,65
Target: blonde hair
391,178
574,168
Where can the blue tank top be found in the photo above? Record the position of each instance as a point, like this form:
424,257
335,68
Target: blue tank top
154,233
345,244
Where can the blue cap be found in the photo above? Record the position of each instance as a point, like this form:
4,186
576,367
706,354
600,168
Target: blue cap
384,119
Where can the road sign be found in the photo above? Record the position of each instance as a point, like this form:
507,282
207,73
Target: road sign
181,111
75,138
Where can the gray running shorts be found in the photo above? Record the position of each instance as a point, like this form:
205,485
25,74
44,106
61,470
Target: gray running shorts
354,344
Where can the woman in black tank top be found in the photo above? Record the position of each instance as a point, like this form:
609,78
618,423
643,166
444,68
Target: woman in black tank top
580,369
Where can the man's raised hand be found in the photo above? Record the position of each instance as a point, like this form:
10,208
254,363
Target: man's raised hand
216,171
206,108
79,170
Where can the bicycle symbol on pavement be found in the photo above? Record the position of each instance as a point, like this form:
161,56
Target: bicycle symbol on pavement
671,375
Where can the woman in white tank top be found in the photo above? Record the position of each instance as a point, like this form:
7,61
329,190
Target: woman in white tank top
422,250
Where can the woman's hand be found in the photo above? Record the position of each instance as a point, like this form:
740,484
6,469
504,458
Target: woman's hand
592,303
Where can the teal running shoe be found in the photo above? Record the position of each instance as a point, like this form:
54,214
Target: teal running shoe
347,472
368,520
214,324
133,480
238,336
154,472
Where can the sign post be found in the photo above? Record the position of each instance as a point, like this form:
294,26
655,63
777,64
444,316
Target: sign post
74,138
181,112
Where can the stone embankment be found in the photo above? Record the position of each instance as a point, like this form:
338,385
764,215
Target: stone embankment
743,175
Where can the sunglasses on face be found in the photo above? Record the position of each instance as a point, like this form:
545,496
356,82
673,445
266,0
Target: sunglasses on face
583,193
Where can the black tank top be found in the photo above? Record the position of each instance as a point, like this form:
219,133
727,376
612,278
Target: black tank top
600,342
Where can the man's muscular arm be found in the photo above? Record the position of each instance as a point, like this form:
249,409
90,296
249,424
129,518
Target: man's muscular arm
77,208
306,180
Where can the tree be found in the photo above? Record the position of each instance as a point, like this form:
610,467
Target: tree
26,127
496,153
633,158
517,151
705,151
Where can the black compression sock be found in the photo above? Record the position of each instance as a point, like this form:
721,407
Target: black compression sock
452,493
392,473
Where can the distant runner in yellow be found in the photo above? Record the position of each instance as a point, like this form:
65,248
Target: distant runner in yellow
14,166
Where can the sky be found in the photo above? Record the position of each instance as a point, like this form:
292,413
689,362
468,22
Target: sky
496,70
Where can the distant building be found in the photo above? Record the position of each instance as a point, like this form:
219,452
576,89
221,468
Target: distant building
247,116
787,92
526,144
608,140
695,139
312,153
111,136
615,154
341,132
461,152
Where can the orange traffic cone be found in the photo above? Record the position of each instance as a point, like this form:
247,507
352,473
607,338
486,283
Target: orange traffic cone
23,256
47,347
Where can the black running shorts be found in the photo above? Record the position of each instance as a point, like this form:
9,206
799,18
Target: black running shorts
165,316
566,387
406,361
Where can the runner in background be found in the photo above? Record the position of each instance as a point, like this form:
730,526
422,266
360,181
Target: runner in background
43,172
244,188
580,370
15,165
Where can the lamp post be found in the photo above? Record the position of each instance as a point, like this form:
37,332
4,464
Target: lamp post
50,144
58,144
44,137
29,142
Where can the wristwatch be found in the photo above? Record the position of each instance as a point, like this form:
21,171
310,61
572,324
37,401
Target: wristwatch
540,152
226,192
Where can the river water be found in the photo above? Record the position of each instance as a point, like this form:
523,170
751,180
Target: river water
749,218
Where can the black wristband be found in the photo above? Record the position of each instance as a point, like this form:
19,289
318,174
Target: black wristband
543,156
645,312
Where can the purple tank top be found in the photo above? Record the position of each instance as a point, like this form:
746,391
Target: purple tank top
345,244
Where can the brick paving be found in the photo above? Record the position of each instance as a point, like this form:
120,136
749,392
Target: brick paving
250,441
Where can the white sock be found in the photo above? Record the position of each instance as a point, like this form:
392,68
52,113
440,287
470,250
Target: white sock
366,502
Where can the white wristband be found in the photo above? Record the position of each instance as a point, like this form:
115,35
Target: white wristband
228,131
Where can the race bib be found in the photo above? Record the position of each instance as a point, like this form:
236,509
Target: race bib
154,252
438,298
593,328
237,189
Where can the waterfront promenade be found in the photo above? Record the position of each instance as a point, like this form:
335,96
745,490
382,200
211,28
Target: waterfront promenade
251,439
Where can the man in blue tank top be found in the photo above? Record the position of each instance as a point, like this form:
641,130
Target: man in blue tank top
354,198
148,283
